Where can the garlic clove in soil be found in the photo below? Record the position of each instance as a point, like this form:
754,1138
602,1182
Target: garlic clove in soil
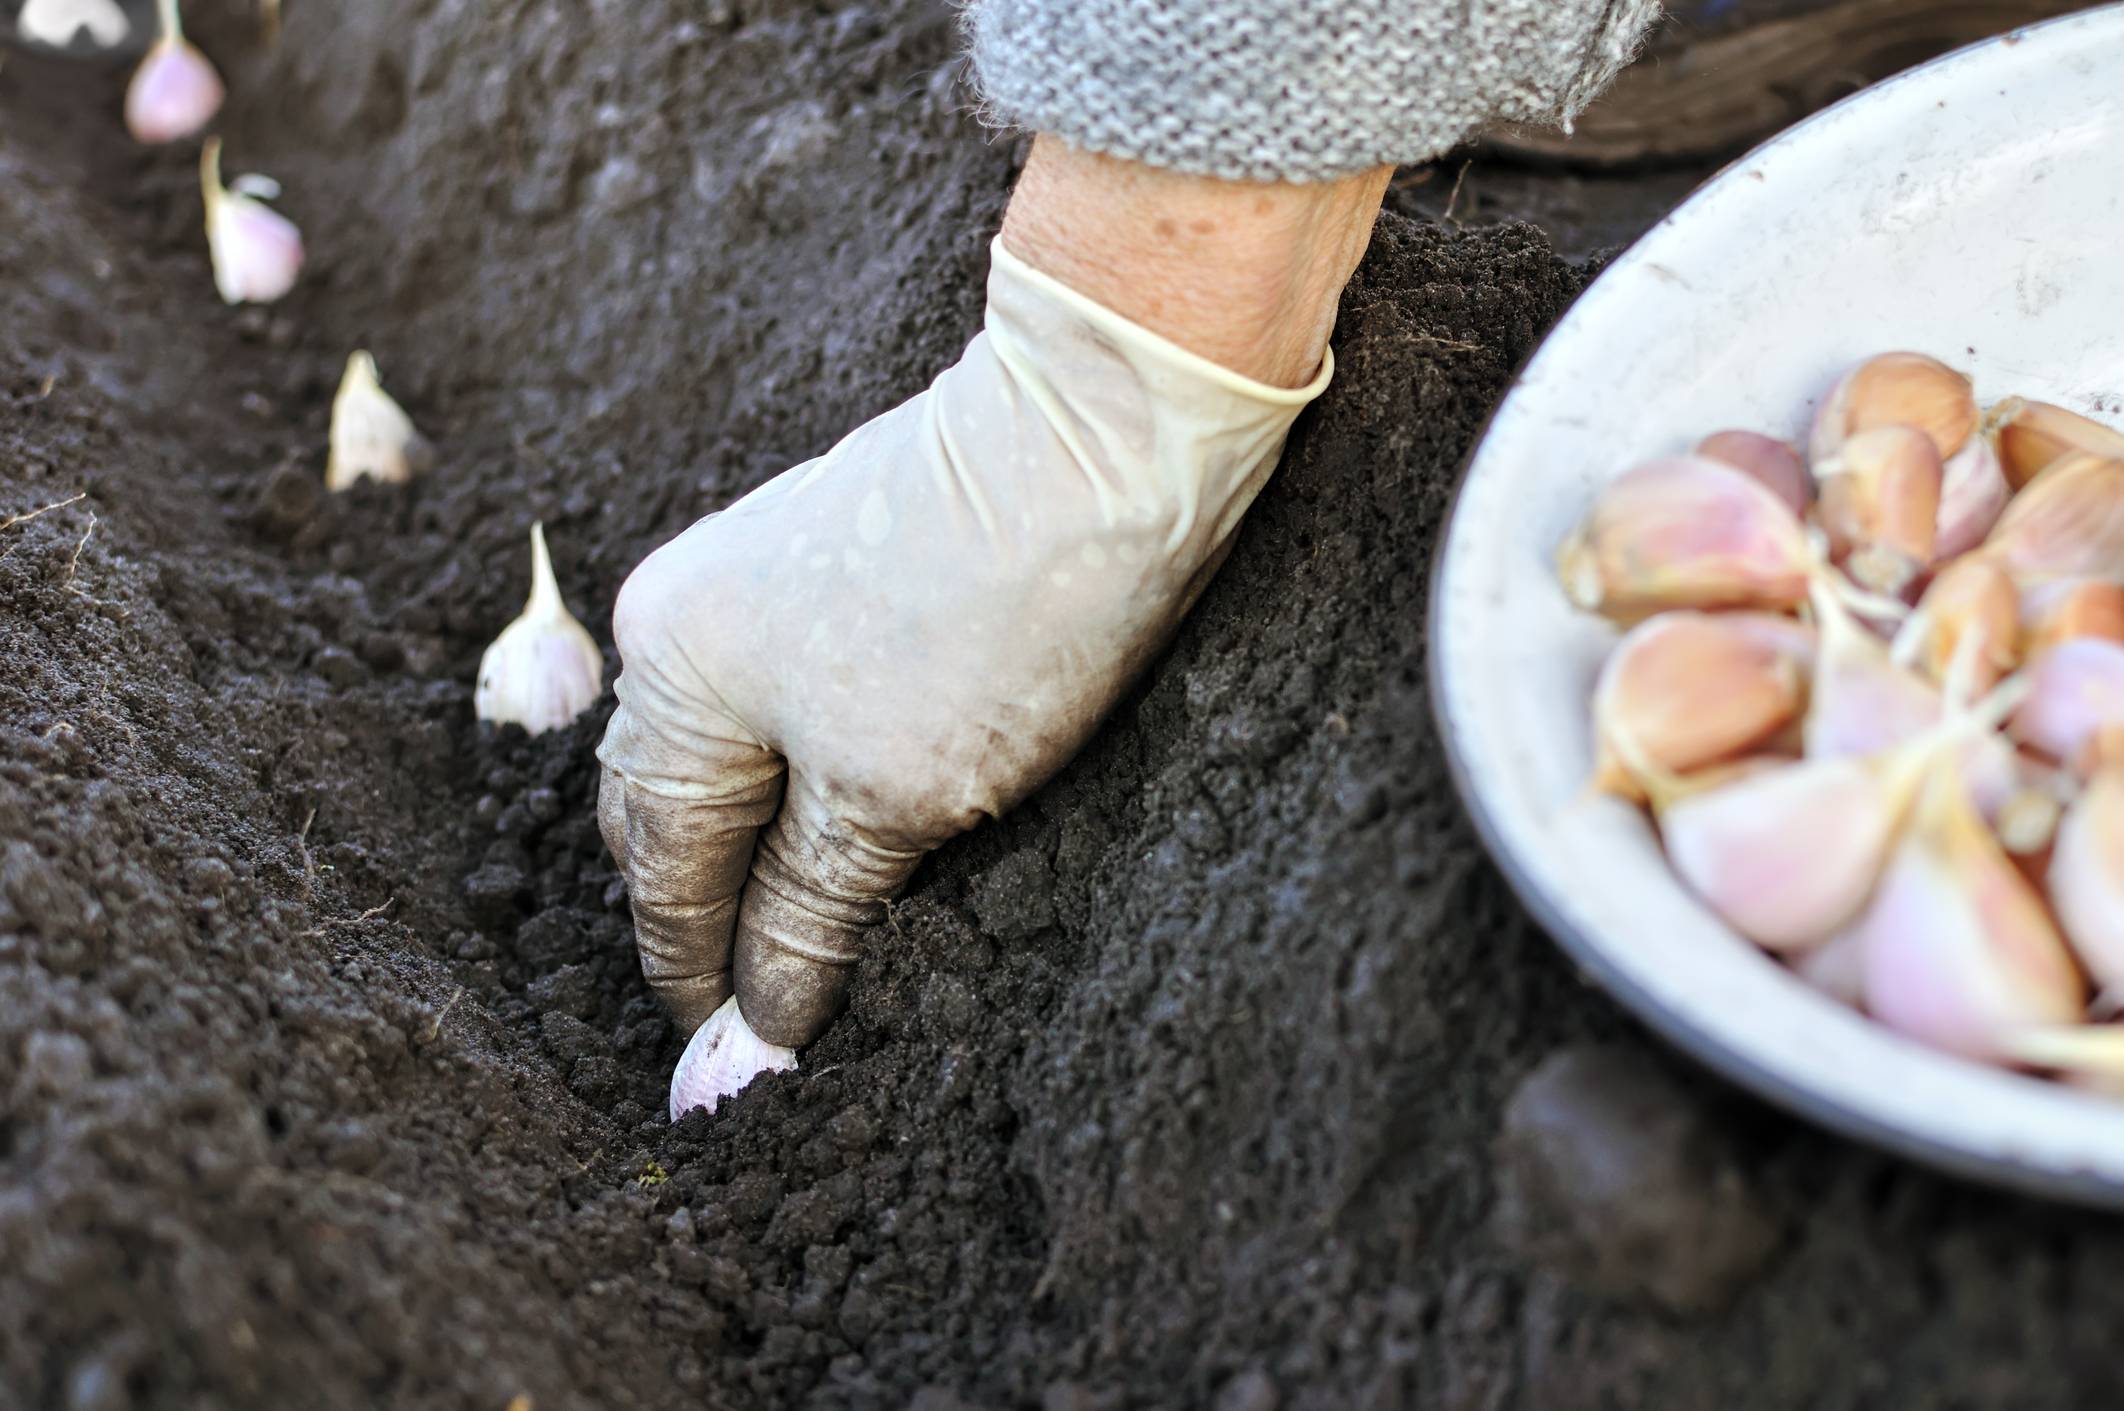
1973,494
1880,503
2062,611
1773,462
1971,601
2031,435
2075,699
544,669
1685,532
257,251
372,437
721,1059
1959,950
1897,389
1688,689
2087,877
175,92
2068,523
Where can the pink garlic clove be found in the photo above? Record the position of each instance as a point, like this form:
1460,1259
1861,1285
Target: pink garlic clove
1880,503
722,1059
1973,495
1863,703
2087,877
174,93
256,251
1897,389
1773,462
2075,697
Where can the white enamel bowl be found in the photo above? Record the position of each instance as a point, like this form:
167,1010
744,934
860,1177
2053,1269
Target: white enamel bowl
1974,209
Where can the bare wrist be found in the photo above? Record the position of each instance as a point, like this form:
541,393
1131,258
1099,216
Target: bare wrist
1246,274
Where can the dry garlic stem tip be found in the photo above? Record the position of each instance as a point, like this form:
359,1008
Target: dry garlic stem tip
1773,462
2086,877
2075,694
2087,1055
1685,533
2061,612
2031,435
175,92
1688,689
1897,389
372,437
544,669
723,1056
257,251
1786,856
1960,951
1880,503
1972,601
2068,523
1973,494
1862,702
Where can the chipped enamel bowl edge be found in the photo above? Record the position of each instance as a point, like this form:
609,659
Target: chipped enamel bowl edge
1968,208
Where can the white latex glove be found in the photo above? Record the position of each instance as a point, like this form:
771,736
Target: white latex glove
880,648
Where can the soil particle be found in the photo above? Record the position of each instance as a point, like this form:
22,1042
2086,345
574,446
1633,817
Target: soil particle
1609,1172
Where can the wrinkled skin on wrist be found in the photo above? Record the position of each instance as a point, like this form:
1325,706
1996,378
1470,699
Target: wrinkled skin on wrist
882,647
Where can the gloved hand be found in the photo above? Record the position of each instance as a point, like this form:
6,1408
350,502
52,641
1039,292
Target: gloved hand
878,649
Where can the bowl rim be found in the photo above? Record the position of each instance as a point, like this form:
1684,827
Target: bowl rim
1595,959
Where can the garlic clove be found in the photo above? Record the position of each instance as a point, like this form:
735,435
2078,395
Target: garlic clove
257,251
2061,611
1880,503
1786,856
1837,967
2031,435
1862,703
1959,950
174,93
722,1059
2075,704
1897,389
1687,689
1970,601
1973,494
1685,533
2086,877
372,437
544,669
2068,523
1765,458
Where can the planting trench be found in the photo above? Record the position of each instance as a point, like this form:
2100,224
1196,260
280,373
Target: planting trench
1202,1080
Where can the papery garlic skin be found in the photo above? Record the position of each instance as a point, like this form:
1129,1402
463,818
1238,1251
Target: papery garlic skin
1897,389
1959,951
1765,458
721,1059
2087,877
2075,695
257,251
1687,689
1788,856
1972,604
2031,435
2068,523
2070,608
1880,502
1973,495
1685,532
372,437
544,669
175,91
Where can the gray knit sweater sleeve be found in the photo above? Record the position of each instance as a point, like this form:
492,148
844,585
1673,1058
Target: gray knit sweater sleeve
1293,90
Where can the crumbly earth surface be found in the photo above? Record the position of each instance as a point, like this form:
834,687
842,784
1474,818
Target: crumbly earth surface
327,1078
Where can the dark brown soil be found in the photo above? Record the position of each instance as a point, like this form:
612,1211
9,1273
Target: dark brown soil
329,1078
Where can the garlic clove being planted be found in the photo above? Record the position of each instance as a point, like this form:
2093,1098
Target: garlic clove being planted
2087,877
372,437
257,251
1688,689
1685,532
1773,462
544,669
1880,503
1897,389
2075,700
175,92
1971,599
2068,523
1973,494
1959,950
2031,435
721,1059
